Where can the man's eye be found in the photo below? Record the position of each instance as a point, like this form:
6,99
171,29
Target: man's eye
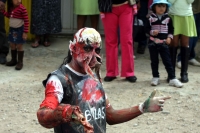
98,50
88,49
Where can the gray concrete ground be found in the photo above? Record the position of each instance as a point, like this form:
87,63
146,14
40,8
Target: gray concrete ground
21,93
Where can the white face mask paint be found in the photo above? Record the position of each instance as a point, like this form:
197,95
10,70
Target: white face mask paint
85,49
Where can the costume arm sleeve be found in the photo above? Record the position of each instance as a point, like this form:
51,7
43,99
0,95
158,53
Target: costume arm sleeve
119,116
51,113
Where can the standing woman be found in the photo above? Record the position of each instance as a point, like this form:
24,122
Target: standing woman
184,27
84,9
119,16
46,19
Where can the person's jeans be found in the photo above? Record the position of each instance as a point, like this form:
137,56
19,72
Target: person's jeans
4,48
193,40
163,50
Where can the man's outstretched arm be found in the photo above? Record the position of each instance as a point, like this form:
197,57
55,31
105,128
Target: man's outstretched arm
152,104
119,116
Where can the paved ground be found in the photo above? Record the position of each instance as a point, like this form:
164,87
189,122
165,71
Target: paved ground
21,92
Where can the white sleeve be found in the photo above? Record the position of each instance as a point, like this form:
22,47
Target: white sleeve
57,85
172,1
190,1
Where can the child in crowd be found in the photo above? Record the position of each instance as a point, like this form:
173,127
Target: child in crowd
160,29
19,24
184,27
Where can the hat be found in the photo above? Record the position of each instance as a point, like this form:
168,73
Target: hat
160,2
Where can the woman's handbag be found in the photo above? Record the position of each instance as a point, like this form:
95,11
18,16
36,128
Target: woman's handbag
105,5
138,30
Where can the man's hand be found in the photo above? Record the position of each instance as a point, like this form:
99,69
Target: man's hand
78,117
154,104
2,6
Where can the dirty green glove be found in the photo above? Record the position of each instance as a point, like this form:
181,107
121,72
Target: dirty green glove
153,104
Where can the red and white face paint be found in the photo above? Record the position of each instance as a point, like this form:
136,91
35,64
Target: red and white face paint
85,49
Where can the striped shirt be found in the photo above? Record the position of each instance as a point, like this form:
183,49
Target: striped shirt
163,24
19,12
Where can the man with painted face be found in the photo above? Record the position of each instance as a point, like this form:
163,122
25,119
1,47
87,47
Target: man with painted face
75,101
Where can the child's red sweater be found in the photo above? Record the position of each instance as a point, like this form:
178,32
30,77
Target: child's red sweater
19,12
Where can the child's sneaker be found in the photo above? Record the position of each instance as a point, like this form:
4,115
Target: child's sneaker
155,81
176,83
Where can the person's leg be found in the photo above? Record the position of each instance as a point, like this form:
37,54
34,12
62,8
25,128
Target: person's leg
110,23
165,55
141,47
126,40
143,11
154,57
153,51
184,58
173,53
179,56
20,52
81,19
4,48
178,64
37,41
94,21
46,40
167,61
13,61
193,42
173,49
197,20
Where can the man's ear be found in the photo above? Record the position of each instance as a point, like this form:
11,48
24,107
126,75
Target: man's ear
72,48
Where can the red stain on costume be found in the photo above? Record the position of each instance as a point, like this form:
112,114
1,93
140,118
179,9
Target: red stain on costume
90,93
51,99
